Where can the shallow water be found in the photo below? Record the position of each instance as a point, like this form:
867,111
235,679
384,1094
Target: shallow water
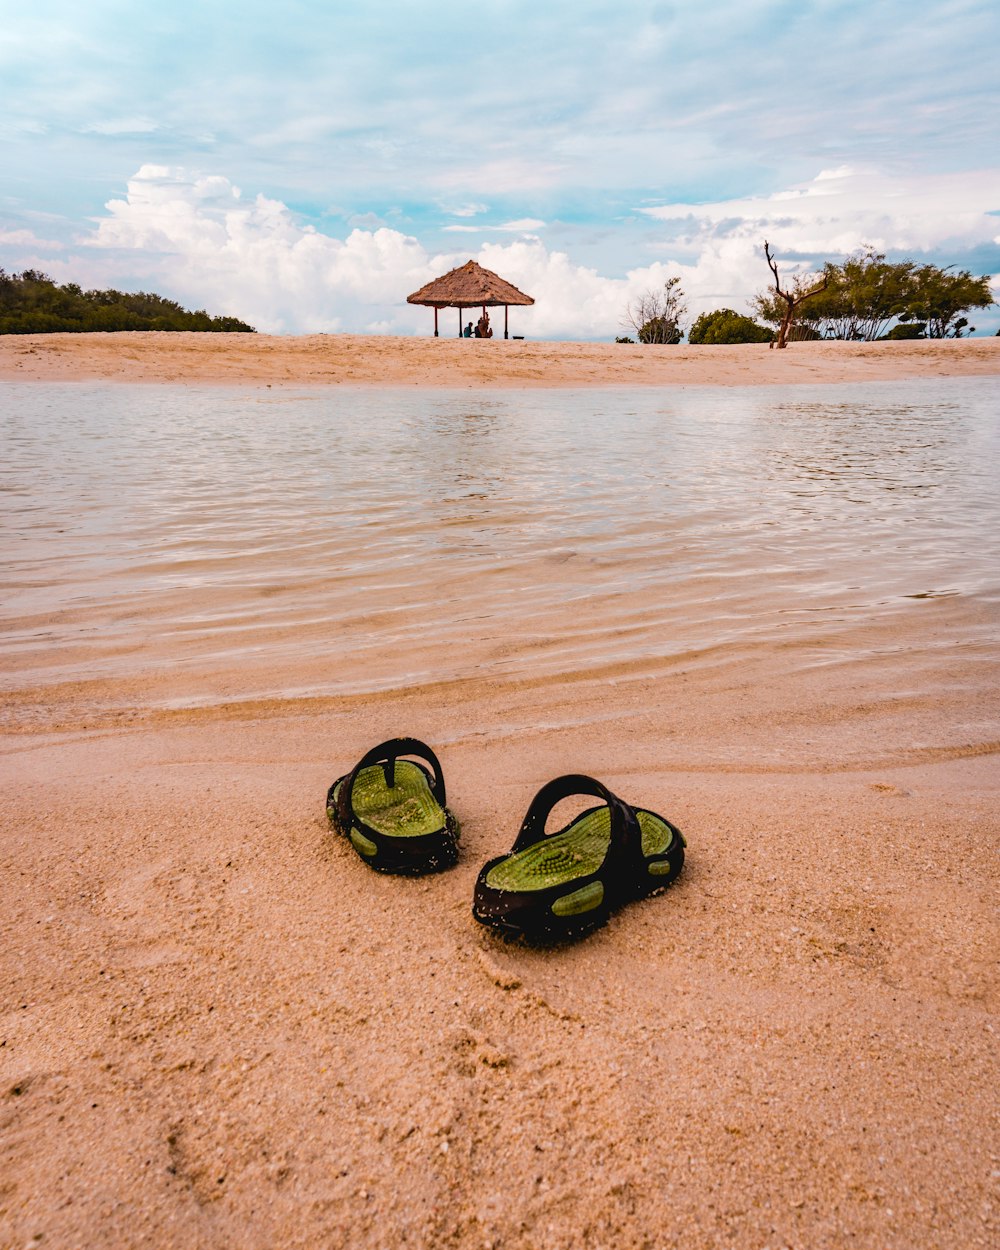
347,541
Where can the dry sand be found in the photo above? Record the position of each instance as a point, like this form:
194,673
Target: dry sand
360,361
219,1028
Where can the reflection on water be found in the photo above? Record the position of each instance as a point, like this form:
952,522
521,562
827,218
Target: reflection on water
389,535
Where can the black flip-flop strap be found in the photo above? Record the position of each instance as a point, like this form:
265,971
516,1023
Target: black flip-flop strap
626,836
386,754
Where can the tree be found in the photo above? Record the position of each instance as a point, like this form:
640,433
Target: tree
656,316
726,326
937,297
791,299
864,293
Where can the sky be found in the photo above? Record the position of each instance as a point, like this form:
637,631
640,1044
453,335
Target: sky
306,165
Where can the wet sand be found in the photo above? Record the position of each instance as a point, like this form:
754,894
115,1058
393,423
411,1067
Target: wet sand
359,360
218,1027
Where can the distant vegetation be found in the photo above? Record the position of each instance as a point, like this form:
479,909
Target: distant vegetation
31,303
865,293
863,298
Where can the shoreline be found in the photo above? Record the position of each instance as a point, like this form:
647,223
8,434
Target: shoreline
375,360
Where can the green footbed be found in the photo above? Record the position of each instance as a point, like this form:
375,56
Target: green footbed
576,852
408,810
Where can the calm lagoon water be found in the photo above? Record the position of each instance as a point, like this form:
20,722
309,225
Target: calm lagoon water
374,537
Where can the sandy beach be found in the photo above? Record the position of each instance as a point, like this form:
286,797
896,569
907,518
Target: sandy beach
358,360
219,1028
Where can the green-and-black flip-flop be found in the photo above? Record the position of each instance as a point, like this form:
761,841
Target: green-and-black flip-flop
562,885
393,810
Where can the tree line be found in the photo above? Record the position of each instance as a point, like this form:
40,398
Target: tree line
863,298
32,303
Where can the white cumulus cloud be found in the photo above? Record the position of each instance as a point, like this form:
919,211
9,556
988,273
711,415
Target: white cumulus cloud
839,211
250,258
843,209
200,240
28,239
207,245
523,225
122,126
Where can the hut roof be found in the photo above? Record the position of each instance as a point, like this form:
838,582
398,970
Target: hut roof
468,286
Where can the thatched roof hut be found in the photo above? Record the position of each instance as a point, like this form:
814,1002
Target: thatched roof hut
469,286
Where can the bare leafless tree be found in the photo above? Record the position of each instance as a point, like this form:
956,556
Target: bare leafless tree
793,298
656,316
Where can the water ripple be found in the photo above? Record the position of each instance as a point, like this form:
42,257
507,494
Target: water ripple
524,531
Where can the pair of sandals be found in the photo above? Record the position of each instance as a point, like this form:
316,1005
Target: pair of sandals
392,808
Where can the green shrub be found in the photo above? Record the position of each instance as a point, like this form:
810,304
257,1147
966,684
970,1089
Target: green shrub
907,330
726,326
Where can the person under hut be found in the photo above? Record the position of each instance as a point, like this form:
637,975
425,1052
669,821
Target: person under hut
483,330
